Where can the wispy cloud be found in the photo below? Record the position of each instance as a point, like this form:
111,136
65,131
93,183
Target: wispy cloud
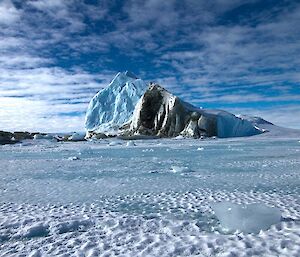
8,13
21,114
54,55
30,96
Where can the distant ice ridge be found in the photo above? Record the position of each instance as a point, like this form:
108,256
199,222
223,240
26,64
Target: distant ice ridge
114,105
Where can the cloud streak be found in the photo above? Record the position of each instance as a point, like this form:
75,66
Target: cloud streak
218,54
8,13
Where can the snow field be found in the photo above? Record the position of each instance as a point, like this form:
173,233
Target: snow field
167,224
102,199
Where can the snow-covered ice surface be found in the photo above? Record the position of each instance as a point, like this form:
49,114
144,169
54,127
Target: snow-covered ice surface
150,198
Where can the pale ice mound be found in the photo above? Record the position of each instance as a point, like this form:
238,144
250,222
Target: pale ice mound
247,218
180,169
77,136
114,105
42,136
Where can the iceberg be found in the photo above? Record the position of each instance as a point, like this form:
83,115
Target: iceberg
248,218
111,107
128,108
76,137
160,113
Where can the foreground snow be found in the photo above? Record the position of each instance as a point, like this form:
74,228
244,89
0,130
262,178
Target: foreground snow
146,198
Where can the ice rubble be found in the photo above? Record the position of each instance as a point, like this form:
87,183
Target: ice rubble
38,137
247,218
130,143
77,136
114,105
180,169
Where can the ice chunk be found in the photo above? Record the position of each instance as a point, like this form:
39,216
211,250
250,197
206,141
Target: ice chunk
130,143
77,137
35,230
179,137
72,225
248,218
114,143
42,136
180,169
38,136
73,158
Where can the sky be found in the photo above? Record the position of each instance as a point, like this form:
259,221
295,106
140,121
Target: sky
242,56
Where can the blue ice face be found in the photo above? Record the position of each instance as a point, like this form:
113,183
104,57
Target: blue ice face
114,105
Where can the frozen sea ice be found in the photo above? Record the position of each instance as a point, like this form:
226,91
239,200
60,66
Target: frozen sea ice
247,218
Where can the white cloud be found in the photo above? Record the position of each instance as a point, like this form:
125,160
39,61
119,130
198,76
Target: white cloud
8,12
46,99
190,52
22,61
19,114
45,4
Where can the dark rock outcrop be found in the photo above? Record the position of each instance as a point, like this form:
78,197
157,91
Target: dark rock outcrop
159,113
6,138
15,137
19,135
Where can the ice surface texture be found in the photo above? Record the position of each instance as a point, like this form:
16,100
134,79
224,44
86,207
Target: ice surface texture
249,218
119,200
114,105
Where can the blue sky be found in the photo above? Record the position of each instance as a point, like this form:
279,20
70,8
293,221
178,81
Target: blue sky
239,55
